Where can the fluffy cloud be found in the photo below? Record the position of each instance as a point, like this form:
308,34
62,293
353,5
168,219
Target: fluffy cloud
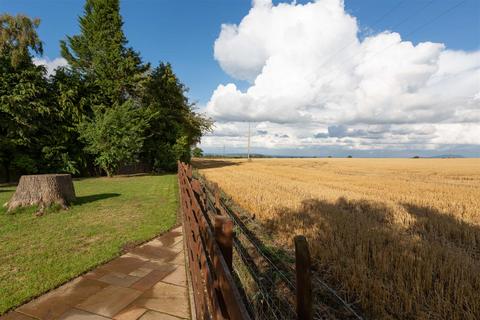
51,65
314,82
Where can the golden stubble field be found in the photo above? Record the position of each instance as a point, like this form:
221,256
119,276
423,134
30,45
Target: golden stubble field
399,236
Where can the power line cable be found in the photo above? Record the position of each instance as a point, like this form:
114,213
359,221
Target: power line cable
281,273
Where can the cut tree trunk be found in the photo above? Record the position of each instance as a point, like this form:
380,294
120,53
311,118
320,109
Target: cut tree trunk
43,190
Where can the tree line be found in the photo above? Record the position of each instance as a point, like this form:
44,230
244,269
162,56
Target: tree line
106,109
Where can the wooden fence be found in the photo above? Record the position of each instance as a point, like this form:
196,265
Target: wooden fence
209,250
209,255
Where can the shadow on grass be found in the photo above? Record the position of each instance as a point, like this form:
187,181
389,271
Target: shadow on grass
211,164
6,190
95,197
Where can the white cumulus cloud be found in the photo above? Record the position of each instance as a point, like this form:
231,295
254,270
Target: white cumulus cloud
51,65
312,76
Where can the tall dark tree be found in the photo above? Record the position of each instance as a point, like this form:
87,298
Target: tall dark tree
106,75
24,94
174,126
63,151
100,55
106,108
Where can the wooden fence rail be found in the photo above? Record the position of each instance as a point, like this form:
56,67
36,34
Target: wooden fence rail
209,250
209,255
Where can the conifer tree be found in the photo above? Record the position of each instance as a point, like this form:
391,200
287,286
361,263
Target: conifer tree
112,76
101,56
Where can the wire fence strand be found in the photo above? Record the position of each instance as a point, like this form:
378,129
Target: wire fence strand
272,278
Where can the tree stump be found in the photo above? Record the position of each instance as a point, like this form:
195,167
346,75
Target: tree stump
43,190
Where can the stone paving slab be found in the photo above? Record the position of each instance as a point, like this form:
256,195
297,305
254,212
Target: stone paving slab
147,283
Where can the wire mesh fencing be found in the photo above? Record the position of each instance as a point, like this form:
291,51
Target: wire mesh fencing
267,276
237,275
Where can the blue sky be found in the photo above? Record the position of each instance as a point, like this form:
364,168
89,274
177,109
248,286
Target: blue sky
426,97
183,32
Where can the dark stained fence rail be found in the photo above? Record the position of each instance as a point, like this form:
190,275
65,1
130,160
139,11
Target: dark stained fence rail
210,241
279,291
209,251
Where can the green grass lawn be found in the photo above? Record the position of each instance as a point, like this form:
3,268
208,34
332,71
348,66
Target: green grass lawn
40,253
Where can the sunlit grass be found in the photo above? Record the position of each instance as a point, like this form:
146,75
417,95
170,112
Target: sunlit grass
40,253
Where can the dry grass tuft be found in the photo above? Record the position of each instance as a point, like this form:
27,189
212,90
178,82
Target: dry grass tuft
400,235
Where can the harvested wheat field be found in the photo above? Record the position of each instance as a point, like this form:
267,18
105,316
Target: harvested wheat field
399,237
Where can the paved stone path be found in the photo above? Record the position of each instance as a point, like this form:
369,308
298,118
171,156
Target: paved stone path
147,283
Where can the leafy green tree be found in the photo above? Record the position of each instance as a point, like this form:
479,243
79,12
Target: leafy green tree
114,136
173,125
38,133
103,74
197,152
18,36
181,149
64,150
24,94
105,108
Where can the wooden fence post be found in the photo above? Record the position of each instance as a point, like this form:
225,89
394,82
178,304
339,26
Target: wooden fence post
217,200
304,284
224,238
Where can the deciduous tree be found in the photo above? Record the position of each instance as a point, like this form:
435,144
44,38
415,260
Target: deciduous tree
18,36
114,136
172,121
197,152
24,94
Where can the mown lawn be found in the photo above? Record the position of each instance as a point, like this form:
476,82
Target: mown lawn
40,253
